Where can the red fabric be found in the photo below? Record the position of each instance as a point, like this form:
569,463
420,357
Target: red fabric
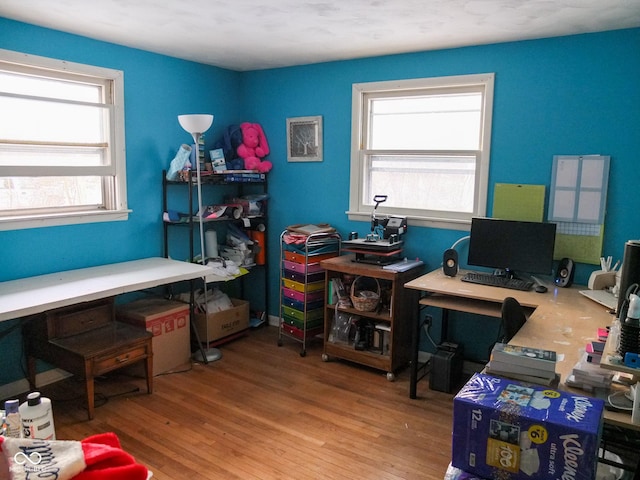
294,238
105,459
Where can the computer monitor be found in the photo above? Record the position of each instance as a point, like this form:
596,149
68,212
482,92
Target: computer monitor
514,246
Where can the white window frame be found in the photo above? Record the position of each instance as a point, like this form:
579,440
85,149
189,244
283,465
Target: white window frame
360,209
115,181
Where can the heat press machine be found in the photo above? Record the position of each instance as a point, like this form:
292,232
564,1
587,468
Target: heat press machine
384,244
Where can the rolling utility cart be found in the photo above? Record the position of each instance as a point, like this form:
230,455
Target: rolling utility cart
373,328
302,286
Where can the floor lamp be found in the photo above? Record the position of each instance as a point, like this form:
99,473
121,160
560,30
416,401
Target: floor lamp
196,125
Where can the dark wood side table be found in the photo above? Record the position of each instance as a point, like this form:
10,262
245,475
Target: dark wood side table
86,340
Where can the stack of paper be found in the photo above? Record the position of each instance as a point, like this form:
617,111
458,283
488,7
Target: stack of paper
588,375
403,265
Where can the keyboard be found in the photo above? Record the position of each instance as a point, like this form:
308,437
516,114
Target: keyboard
495,281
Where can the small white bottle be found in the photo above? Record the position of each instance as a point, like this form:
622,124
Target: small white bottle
13,426
635,410
37,417
614,335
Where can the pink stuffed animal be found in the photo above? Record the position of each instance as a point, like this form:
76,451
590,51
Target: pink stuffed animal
254,147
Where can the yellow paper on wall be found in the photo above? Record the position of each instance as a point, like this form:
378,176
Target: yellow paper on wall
582,247
513,201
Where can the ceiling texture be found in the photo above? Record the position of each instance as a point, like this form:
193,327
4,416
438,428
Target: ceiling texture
254,35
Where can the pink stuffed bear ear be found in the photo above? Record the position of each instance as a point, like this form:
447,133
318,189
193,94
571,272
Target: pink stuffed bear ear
263,139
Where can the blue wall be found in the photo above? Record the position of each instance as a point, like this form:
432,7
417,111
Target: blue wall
157,89
567,95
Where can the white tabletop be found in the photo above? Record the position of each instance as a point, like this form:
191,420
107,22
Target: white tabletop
31,295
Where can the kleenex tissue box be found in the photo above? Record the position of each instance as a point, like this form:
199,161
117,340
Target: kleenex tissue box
512,430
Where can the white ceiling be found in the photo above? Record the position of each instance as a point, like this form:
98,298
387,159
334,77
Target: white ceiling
252,34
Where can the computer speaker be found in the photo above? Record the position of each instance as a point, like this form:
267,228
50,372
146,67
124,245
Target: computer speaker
564,274
450,262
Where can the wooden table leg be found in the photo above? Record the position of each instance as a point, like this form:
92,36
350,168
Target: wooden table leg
31,372
148,368
90,390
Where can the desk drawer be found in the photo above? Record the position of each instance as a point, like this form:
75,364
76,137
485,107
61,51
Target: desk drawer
116,360
76,319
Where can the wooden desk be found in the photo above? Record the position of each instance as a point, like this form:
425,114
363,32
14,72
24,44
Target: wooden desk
562,320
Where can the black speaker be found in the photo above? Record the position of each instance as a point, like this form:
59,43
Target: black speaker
565,272
450,262
630,270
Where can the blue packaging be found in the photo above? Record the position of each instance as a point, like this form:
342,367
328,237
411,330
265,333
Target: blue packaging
512,430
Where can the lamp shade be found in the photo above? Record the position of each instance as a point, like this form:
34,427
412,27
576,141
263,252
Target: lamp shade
196,123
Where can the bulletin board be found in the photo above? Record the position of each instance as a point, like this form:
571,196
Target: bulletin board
577,203
579,189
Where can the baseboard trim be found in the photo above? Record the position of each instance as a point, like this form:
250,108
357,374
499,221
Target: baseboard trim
274,321
20,387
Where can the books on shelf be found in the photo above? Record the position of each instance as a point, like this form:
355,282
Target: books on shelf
501,367
524,356
552,381
532,365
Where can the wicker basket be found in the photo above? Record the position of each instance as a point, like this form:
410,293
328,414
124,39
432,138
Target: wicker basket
364,300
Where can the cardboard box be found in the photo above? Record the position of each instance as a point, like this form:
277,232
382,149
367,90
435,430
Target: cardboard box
512,430
169,322
221,324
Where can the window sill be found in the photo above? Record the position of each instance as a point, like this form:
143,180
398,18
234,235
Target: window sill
54,220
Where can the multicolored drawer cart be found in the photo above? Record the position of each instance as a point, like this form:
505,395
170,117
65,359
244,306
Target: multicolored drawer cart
302,286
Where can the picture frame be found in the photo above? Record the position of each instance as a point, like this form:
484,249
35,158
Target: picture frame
304,139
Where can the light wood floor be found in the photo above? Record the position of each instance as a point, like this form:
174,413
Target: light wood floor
265,412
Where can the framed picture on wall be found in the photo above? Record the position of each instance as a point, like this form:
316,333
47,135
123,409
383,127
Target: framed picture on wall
304,139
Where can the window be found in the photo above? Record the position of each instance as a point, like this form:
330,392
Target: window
62,154
425,144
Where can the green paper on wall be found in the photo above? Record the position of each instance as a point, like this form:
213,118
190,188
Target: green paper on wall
513,201
580,247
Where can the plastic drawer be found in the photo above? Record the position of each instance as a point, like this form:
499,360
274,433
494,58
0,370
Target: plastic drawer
301,297
301,258
300,267
299,304
302,278
301,287
311,315
300,324
298,333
